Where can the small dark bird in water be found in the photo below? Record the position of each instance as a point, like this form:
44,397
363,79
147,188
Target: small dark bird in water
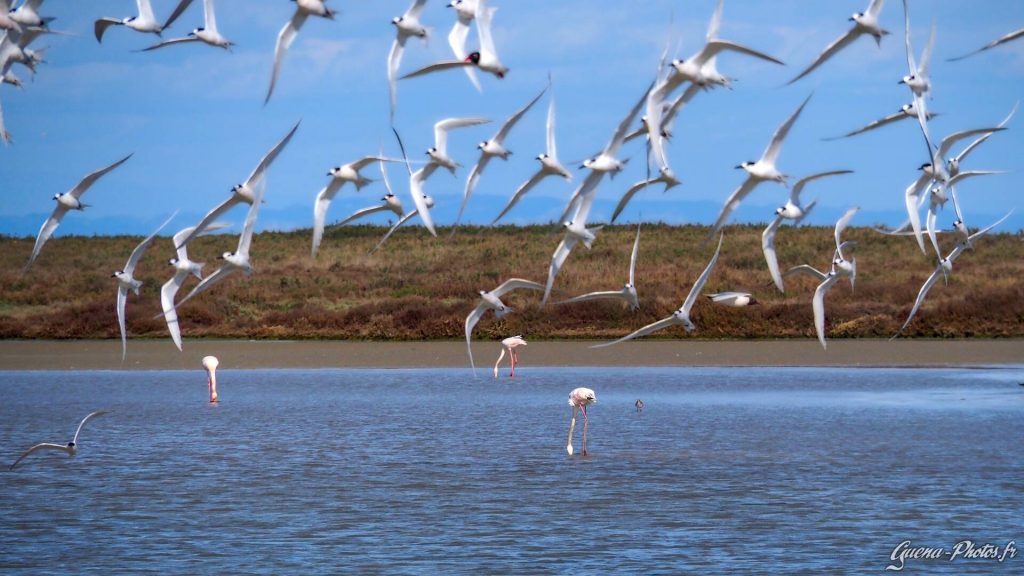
640,403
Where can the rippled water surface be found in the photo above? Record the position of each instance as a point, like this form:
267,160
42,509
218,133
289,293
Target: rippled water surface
434,471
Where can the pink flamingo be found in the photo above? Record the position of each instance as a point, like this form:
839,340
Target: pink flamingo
210,363
579,399
510,344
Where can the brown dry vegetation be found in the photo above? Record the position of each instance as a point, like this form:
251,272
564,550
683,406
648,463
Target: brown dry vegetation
418,287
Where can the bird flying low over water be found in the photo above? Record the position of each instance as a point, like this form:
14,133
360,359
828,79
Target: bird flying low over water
69,200
303,10
208,34
71,448
492,301
682,315
863,23
485,59
762,170
243,193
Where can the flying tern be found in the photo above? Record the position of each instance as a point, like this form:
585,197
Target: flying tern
465,13
997,42
126,282
760,171
917,80
406,26
549,165
841,268
485,59
492,301
692,69
303,9
793,210
944,267
493,148
733,299
243,193
937,198
439,153
934,171
427,203
69,200
208,34
183,268
144,22
71,448
682,315
863,23
339,176
665,177
239,259
576,229
906,111
627,293
604,163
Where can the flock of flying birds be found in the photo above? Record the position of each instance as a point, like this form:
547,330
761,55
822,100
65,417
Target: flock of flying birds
674,84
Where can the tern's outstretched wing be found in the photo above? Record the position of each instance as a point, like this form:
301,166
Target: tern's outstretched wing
650,328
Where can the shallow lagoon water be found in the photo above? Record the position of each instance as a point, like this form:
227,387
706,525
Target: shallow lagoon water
435,471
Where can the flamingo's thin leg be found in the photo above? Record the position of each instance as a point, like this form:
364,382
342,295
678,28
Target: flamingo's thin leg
572,427
585,423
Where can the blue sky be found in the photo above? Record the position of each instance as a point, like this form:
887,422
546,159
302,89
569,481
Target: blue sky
195,120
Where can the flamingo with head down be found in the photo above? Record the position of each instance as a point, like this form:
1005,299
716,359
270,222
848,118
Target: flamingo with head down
210,363
510,344
579,399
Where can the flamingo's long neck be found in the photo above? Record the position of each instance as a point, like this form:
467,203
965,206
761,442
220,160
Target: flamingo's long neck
572,427
498,363
212,385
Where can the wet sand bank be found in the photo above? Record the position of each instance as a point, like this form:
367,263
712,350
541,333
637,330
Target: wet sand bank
161,355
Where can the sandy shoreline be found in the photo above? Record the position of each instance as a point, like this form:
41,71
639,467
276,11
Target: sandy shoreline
161,355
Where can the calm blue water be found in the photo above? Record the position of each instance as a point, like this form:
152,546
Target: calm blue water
433,471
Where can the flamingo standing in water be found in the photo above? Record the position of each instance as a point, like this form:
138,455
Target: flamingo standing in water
510,344
210,363
579,399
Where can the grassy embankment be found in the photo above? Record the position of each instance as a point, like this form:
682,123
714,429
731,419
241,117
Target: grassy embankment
418,287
